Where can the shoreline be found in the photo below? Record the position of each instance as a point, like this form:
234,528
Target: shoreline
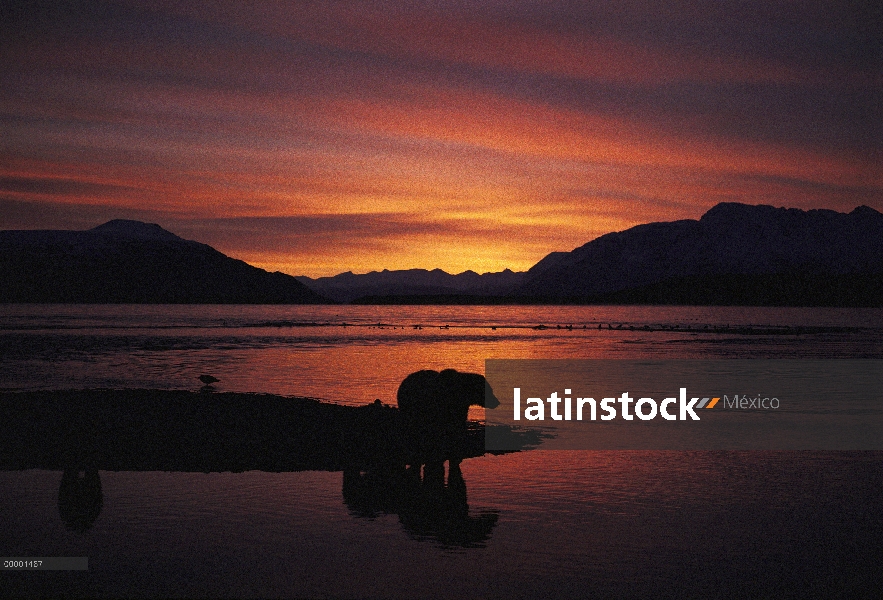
178,430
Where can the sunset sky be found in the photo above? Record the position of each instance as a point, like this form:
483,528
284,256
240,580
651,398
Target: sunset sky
320,137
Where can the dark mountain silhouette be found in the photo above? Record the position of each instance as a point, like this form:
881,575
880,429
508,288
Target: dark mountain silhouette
348,286
734,254
136,230
547,262
421,286
133,262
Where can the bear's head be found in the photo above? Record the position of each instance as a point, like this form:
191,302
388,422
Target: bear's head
470,387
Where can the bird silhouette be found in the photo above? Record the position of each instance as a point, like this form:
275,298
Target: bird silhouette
208,379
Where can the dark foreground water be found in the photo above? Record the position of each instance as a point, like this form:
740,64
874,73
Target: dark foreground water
535,523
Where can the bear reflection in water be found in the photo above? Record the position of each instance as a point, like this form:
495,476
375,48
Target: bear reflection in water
427,506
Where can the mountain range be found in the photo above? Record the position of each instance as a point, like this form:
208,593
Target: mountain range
413,283
132,262
734,254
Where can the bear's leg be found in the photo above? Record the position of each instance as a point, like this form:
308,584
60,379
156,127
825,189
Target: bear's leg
434,474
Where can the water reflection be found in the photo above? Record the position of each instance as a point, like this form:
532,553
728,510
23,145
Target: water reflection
384,469
428,507
306,350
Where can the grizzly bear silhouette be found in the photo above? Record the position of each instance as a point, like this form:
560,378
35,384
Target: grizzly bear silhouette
443,398
434,407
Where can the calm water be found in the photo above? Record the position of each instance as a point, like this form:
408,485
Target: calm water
538,523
